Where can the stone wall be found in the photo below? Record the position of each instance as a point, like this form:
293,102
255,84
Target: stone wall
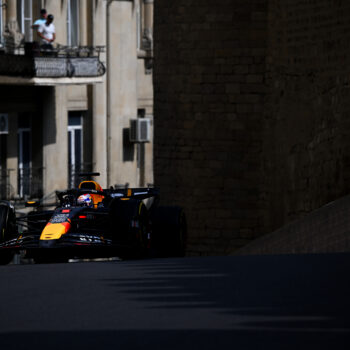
209,94
251,113
306,145
324,230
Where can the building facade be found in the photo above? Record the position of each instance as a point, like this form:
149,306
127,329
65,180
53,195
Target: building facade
69,110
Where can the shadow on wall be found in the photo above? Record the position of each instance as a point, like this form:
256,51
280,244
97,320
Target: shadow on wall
128,147
49,115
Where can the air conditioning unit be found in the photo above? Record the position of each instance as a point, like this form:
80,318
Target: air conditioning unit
140,130
4,123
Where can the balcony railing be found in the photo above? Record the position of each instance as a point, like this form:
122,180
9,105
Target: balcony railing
63,61
30,181
5,189
29,184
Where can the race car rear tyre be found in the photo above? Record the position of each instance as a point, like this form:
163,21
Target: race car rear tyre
169,231
129,223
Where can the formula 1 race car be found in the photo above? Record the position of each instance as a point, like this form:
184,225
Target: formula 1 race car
92,222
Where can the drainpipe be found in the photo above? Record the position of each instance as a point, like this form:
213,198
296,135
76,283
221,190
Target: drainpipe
108,102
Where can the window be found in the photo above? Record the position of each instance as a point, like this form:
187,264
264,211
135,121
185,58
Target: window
25,14
3,167
75,147
24,155
1,23
139,24
73,22
144,27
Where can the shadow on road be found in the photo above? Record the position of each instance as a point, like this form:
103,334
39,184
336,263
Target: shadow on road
300,292
171,340
270,302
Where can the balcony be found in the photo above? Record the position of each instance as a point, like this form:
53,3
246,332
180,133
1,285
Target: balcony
30,65
29,181
5,189
29,184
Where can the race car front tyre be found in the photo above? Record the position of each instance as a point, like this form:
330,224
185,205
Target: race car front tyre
6,256
7,222
7,229
169,231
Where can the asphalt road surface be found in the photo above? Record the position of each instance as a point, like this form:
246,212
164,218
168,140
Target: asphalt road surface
271,302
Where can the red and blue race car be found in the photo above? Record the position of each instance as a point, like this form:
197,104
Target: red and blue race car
91,222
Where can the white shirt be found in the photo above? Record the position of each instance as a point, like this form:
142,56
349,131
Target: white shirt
48,32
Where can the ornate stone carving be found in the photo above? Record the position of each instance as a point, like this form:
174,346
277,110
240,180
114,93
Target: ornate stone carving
13,37
147,39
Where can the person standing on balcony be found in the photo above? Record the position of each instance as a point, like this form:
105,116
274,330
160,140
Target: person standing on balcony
41,20
35,45
47,33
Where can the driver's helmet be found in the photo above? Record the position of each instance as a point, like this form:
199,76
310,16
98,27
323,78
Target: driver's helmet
84,199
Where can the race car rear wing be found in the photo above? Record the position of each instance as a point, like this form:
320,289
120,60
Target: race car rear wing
137,193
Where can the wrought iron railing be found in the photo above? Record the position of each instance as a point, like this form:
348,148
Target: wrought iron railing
29,184
31,60
29,181
4,184
33,49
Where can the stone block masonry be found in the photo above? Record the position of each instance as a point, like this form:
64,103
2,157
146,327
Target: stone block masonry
209,93
251,113
307,110
325,230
